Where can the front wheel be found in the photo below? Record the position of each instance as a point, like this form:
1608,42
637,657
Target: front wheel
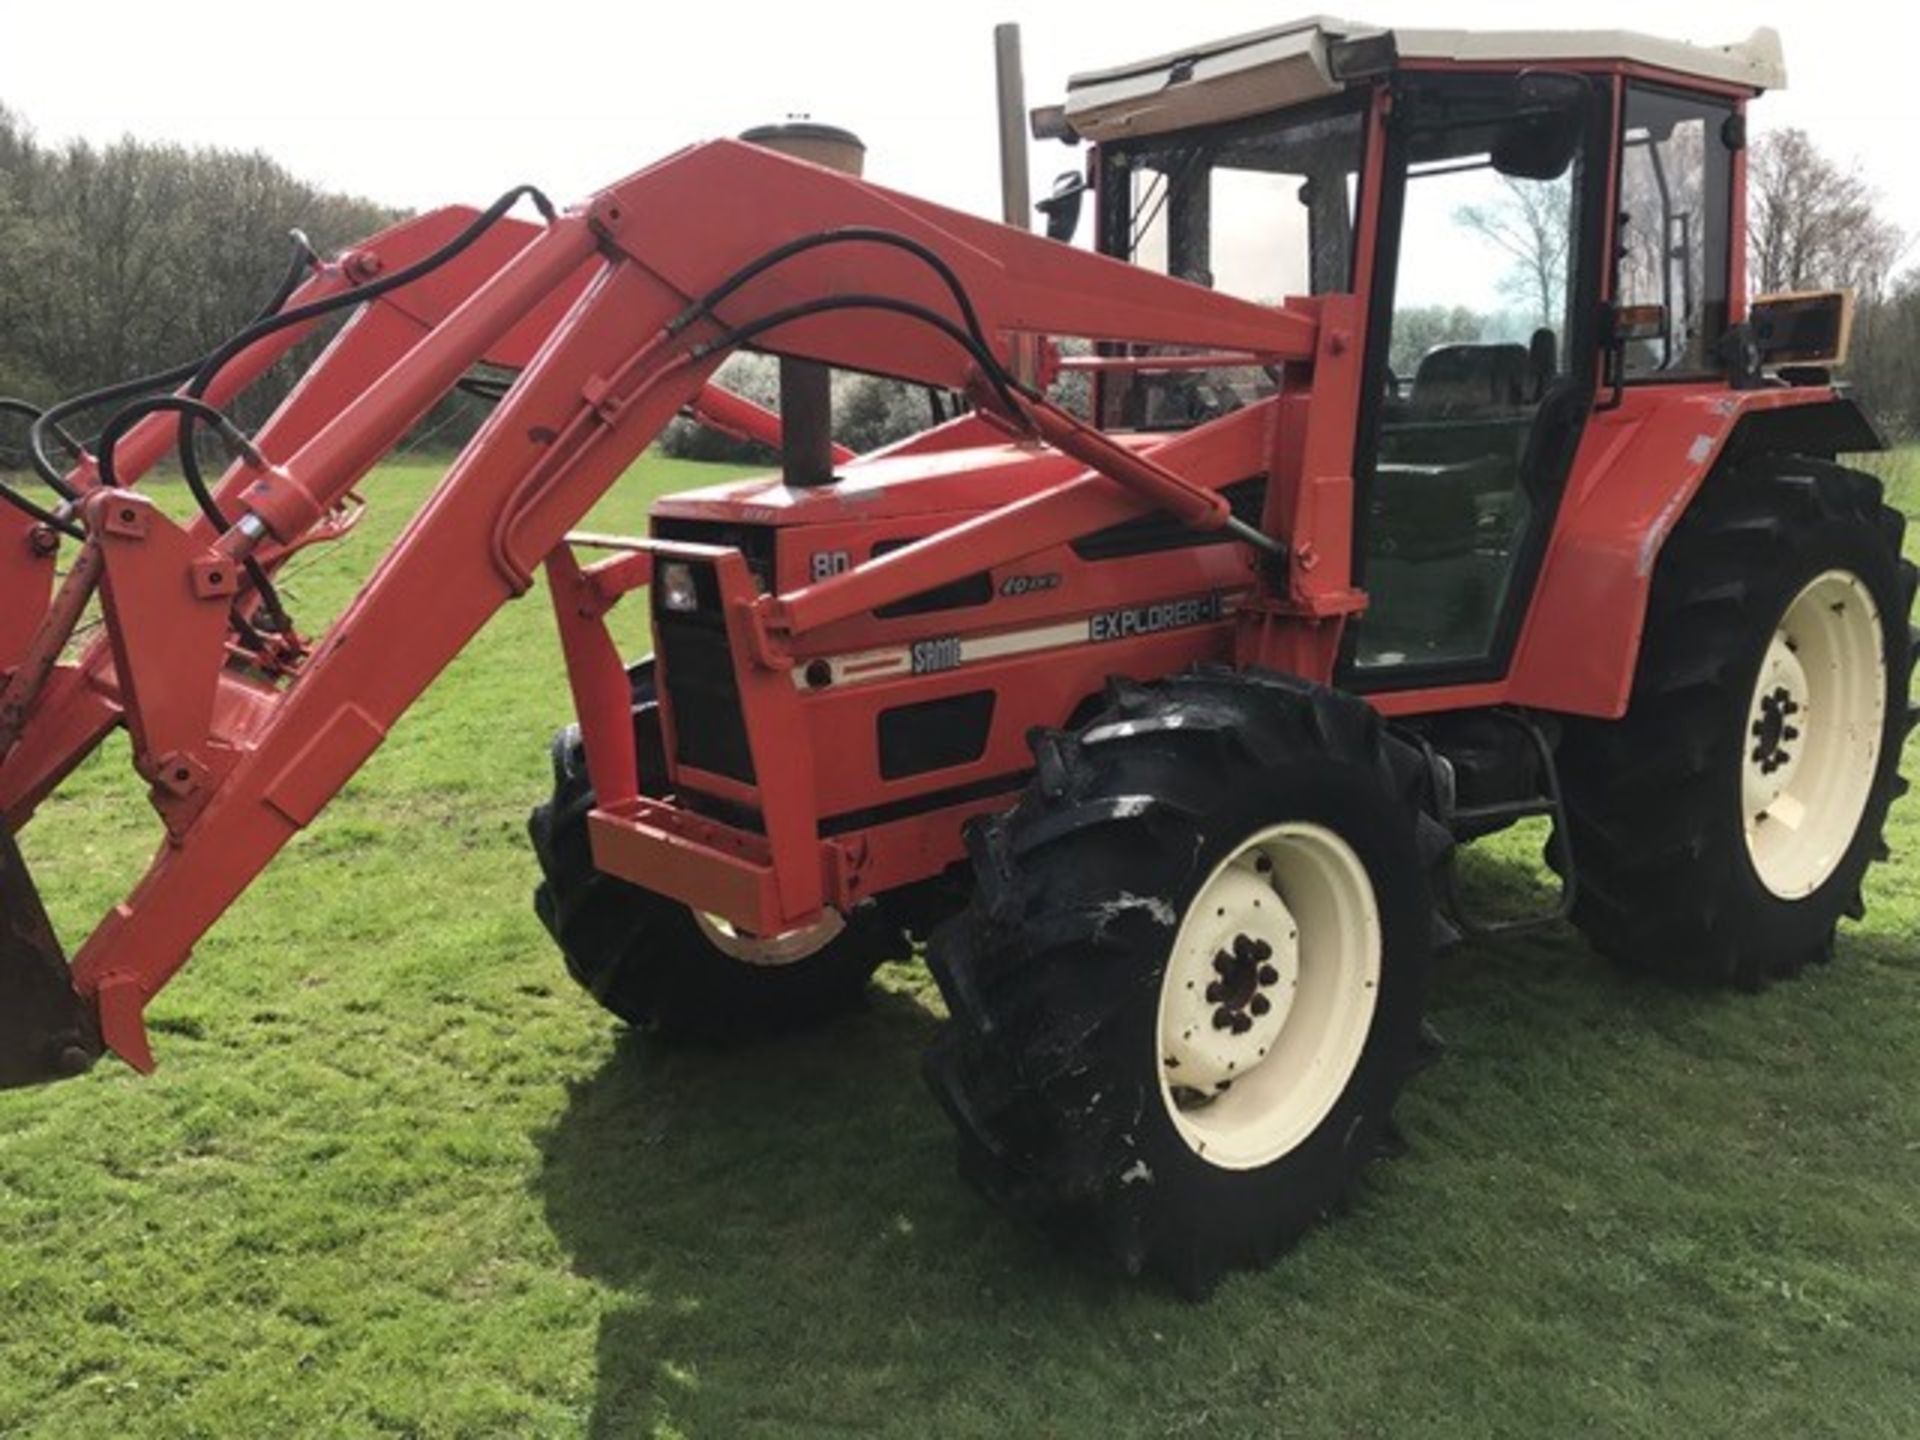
1190,985
653,961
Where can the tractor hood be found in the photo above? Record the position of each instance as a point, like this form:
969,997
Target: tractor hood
963,466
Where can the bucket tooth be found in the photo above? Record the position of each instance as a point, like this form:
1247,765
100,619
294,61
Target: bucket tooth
47,1031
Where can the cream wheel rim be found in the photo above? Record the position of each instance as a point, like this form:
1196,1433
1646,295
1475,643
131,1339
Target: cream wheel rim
1811,745
1268,995
782,949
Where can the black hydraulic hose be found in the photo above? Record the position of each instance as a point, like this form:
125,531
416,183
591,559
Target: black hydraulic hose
276,320
209,368
303,259
128,416
846,235
31,412
982,356
272,613
214,363
11,406
996,373
740,335
40,513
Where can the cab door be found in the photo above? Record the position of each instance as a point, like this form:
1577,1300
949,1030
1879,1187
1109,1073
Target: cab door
1481,363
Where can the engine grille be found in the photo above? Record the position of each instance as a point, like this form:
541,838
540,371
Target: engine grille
702,695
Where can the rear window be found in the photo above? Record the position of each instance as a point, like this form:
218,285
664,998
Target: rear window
1676,184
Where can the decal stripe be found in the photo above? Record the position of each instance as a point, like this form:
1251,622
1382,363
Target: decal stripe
948,652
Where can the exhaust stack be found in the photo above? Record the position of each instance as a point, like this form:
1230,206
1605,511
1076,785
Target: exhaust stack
1016,186
806,387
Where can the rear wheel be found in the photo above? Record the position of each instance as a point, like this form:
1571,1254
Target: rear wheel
1724,825
1189,987
653,961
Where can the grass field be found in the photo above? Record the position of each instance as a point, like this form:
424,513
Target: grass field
397,1177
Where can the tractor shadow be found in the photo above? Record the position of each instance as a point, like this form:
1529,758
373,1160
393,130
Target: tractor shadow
775,1220
787,1248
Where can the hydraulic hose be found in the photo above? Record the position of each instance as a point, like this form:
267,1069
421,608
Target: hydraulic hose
274,615
275,320
49,422
10,406
209,369
128,416
1003,382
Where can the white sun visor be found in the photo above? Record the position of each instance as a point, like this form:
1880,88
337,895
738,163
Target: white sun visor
1316,57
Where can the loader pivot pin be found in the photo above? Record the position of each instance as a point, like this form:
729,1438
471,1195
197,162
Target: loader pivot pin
47,1032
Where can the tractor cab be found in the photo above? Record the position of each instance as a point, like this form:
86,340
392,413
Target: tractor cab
1466,188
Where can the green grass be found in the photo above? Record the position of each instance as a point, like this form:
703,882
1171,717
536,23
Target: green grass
395,1176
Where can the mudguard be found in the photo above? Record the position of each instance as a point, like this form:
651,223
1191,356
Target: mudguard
1640,464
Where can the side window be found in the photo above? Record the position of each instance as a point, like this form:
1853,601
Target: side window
1482,290
1675,208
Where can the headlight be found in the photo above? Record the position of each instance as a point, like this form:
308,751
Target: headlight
675,579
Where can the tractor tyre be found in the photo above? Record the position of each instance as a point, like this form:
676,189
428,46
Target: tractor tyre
1722,827
654,962
1189,986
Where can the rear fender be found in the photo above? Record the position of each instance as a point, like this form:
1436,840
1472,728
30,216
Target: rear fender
1639,466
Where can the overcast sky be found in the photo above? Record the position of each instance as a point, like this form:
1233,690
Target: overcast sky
417,104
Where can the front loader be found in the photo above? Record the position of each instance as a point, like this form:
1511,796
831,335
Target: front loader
1156,715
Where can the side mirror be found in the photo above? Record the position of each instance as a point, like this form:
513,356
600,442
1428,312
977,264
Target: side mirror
1062,206
1539,141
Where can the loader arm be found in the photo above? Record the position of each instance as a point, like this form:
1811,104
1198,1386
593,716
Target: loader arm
80,703
598,309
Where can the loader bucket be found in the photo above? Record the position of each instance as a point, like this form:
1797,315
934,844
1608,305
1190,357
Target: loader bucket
47,1031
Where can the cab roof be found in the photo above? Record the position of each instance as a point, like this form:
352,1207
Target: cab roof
1320,56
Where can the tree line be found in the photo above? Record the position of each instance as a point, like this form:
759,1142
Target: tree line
1815,224
122,259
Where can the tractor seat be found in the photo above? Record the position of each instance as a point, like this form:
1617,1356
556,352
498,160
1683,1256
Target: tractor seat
1471,378
1418,513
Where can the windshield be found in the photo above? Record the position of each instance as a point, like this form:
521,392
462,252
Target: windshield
1260,209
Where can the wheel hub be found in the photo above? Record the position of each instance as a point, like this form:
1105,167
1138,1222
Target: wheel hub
1268,994
1777,724
1244,972
1231,983
1813,735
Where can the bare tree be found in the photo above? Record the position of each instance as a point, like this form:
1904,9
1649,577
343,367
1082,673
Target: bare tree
1529,222
1813,223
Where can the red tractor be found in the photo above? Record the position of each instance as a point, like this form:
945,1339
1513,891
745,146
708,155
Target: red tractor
1409,460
